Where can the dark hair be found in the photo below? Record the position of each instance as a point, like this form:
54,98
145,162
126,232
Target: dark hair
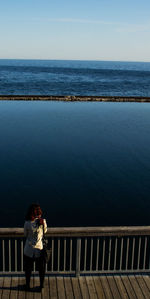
33,211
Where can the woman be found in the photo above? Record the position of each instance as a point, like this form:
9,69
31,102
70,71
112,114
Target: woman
34,227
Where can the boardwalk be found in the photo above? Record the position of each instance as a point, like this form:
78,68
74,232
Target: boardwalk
85,287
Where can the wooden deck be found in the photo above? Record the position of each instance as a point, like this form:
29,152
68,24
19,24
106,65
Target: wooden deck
85,287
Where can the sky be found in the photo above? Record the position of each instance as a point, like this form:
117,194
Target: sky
117,30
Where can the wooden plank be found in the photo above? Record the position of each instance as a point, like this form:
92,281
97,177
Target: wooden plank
45,290
143,286
98,231
36,289
14,288
131,286
147,281
29,294
91,287
6,288
98,287
21,288
106,287
128,286
136,287
53,288
84,288
1,286
76,288
121,287
113,287
60,288
68,287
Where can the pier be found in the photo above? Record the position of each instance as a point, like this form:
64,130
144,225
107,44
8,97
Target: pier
86,262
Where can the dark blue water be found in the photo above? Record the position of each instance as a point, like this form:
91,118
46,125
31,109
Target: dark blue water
28,77
85,163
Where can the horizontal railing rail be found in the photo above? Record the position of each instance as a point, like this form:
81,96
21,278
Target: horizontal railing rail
82,250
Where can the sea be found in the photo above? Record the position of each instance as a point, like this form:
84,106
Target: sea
54,77
85,163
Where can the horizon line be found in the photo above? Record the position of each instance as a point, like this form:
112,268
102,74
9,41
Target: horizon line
96,60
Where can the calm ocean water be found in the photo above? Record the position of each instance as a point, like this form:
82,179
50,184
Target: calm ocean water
74,78
85,163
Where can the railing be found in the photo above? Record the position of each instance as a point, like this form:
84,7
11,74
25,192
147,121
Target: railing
82,250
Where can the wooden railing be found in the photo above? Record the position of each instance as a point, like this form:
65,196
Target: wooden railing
82,250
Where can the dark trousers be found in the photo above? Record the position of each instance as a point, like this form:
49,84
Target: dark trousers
28,264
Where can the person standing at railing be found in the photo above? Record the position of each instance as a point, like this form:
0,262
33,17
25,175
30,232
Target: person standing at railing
33,231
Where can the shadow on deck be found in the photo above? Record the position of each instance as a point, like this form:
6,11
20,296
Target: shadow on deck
94,287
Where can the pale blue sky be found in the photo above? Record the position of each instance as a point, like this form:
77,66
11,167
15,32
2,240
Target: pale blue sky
75,29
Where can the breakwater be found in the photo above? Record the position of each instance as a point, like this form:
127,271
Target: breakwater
73,98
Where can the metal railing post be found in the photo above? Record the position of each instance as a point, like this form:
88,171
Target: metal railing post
78,255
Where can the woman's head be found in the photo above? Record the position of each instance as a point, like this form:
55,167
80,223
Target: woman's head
34,211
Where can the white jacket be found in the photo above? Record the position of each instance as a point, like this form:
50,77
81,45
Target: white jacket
34,234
